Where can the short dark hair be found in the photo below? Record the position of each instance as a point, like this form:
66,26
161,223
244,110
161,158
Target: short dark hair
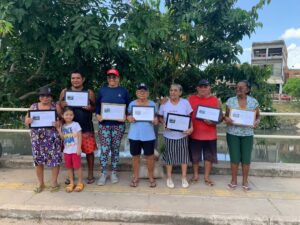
79,72
67,108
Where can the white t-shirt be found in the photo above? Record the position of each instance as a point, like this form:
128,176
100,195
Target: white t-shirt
183,107
70,132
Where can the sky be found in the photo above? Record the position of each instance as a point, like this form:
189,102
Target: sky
281,21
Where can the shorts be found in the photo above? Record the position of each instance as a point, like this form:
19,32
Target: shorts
72,161
205,148
240,148
88,144
136,147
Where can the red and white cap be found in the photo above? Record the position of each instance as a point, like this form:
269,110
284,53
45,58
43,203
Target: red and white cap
113,72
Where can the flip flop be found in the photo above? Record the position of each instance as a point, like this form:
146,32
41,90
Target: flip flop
246,188
193,180
209,183
152,183
38,189
67,181
91,180
55,189
232,186
134,183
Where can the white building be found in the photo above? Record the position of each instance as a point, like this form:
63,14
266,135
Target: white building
274,54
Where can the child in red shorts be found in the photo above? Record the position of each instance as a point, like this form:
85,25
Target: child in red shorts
70,132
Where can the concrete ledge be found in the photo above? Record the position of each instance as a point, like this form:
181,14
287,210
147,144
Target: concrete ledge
91,214
222,168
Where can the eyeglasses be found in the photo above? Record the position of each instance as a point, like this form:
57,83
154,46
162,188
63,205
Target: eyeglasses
113,77
203,86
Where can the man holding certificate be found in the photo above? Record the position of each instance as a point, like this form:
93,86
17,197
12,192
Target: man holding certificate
141,135
176,142
203,140
112,101
82,102
240,111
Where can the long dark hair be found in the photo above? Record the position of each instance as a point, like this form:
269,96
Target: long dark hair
247,84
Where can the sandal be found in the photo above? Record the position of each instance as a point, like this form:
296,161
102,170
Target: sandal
209,183
152,183
134,182
69,188
67,181
246,188
55,188
231,186
193,180
91,180
39,189
79,187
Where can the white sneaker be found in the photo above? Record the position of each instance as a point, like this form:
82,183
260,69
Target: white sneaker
102,180
114,178
170,183
185,183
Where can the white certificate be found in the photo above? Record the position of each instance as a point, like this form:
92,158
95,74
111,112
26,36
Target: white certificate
110,111
178,122
143,113
42,118
208,113
242,117
77,98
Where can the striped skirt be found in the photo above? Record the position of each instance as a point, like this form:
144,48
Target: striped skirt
176,151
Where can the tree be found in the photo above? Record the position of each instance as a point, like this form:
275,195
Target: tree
292,87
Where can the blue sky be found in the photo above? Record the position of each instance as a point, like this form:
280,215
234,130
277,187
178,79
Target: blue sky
281,20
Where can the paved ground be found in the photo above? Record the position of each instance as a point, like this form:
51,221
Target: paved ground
271,201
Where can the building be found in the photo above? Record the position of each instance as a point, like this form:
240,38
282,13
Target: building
275,55
294,73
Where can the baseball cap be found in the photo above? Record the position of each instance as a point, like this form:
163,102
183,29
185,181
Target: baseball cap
142,86
45,91
203,82
113,71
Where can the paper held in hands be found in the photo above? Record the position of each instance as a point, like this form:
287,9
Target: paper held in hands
242,117
178,122
42,118
208,113
114,112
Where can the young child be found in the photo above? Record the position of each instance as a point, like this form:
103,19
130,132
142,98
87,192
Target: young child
70,132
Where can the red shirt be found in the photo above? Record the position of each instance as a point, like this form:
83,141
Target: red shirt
203,131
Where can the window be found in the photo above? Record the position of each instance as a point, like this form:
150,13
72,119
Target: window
275,52
259,52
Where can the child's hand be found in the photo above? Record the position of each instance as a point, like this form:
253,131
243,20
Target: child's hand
78,152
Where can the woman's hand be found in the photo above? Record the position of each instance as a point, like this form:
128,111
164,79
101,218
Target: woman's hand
99,118
228,120
256,123
28,121
189,131
155,121
130,119
63,104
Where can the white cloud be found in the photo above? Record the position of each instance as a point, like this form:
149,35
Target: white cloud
291,33
294,56
291,46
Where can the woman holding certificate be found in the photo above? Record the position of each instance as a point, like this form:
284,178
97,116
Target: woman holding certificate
111,103
45,140
175,114
141,135
242,116
82,102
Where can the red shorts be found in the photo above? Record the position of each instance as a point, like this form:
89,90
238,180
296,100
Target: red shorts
88,144
72,161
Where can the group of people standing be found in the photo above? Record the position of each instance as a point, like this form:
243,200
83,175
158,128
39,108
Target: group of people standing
197,143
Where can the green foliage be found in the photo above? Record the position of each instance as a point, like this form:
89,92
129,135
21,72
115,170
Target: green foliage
48,39
292,87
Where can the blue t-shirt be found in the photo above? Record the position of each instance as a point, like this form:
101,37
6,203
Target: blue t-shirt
117,95
141,131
